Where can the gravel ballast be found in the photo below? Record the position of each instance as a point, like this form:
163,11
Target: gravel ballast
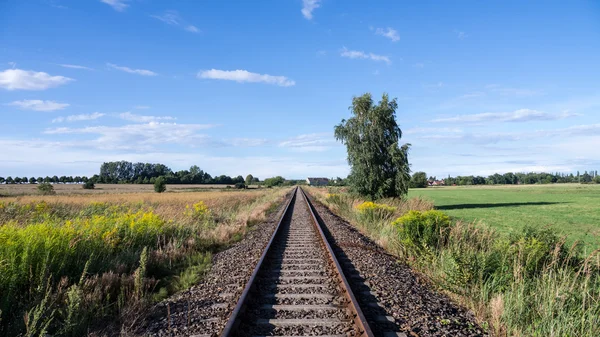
389,292
205,308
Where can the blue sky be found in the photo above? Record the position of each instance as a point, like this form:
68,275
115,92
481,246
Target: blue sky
241,87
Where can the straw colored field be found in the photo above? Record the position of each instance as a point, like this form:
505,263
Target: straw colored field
31,189
71,262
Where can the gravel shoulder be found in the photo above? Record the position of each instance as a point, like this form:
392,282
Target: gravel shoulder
205,308
389,292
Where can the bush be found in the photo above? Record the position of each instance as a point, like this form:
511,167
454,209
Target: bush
89,185
423,231
275,181
160,185
46,189
240,185
371,212
418,180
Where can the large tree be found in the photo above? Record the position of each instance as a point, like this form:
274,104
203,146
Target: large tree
379,164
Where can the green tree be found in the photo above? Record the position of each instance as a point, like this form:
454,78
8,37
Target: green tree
89,185
160,184
9,180
275,181
32,180
379,164
46,189
418,180
249,179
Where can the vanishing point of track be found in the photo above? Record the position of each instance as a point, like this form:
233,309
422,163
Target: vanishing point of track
298,287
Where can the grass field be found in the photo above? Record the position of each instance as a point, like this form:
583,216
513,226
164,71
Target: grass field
69,262
31,189
529,283
571,209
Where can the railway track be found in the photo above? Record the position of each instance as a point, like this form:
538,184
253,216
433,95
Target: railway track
298,287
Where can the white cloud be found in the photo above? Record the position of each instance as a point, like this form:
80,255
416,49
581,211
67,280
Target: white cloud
192,29
355,54
142,72
139,137
460,34
245,76
76,118
497,137
128,116
518,92
521,115
74,66
118,5
388,32
419,130
42,157
314,142
38,105
140,107
308,6
173,18
18,79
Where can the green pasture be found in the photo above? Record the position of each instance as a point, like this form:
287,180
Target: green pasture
571,209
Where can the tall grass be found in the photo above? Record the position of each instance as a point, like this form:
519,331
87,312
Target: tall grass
67,266
525,284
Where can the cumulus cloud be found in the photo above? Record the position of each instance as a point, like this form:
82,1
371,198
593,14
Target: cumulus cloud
38,105
76,118
142,72
143,119
308,6
521,115
118,5
18,79
388,32
245,76
173,18
355,54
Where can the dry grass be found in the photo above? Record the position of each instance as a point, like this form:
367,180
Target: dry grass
62,189
47,242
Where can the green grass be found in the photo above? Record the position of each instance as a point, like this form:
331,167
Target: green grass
570,209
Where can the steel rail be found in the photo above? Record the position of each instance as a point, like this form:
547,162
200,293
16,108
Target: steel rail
240,306
359,317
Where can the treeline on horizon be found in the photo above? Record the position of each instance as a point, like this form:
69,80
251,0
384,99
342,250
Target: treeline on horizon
124,172
523,178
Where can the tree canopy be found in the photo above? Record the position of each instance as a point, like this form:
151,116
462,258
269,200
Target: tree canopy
379,164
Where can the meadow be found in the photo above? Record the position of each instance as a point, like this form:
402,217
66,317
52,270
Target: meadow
526,282
12,190
72,263
569,209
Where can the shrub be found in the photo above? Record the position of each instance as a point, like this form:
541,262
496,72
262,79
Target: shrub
198,210
160,185
89,185
371,212
418,180
275,181
423,231
240,186
46,189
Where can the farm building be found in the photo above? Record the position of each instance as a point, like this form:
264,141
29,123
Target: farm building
317,181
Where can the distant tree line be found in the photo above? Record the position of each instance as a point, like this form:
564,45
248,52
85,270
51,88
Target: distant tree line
524,178
124,172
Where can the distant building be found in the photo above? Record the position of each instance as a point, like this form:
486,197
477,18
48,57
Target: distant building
436,183
317,181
